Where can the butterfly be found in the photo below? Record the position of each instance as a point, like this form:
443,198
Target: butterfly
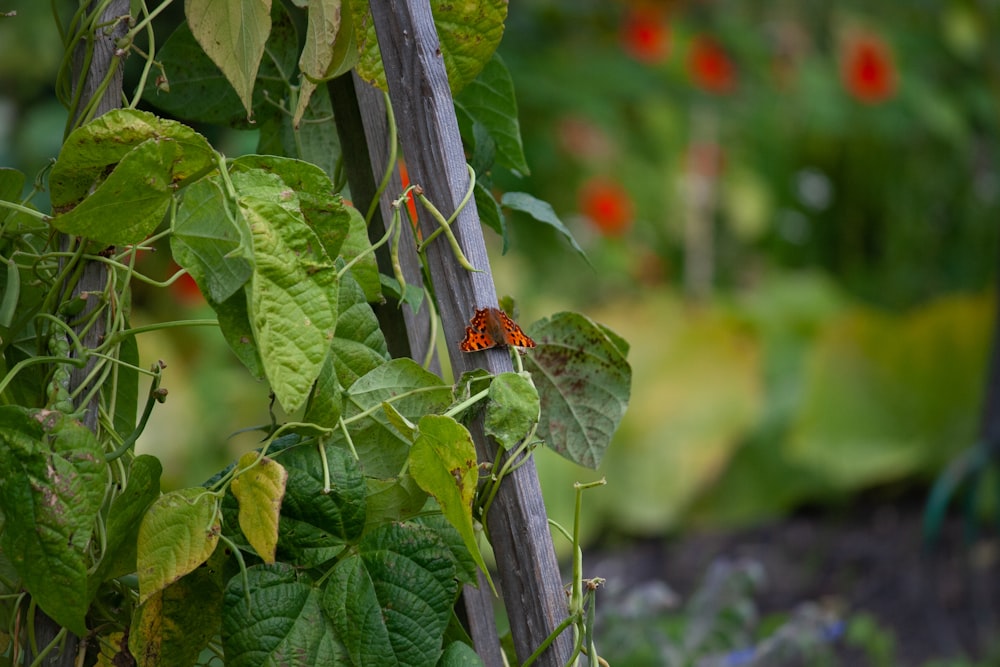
491,327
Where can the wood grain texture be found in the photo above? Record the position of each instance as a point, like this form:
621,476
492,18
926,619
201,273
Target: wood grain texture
428,130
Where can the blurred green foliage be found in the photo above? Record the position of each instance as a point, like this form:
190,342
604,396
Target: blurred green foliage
851,242
847,156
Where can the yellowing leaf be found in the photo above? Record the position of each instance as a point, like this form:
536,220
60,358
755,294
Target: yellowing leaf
179,532
260,490
330,49
232,33
443,463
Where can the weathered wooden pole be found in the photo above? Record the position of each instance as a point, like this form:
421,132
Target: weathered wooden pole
428,130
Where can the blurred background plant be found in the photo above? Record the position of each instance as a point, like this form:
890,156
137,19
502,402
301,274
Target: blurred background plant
791,210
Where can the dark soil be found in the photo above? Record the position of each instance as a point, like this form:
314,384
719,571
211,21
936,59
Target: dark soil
940,601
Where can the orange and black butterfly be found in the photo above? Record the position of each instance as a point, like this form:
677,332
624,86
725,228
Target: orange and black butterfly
491,327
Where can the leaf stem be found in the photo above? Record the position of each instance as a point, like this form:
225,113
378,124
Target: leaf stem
466,404
35,213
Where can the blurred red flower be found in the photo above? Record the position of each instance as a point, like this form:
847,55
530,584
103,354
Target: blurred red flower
606,203
645,34
710,66
867,69
185,289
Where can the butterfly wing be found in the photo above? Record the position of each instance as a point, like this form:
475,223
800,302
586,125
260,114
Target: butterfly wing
512,333
477,336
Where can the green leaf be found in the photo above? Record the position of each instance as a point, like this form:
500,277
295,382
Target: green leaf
210,242
583,383
398,421
259,491
234,323
358,344
471,383
390,602
125,516
284,624
512,410
393,499
324,211
178,533
464,561
256,183
315,140
126,388
293,299
459,654
52,477
490,101
413,296
329,50
326,400
148,159
469,33
11,189
316,523
90,151
232,33
542,212
443,462
365,270
196,89
413,391
490,213
174,625
870,408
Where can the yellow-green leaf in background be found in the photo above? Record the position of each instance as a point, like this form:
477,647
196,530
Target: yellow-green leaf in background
232,33
887,396
259,489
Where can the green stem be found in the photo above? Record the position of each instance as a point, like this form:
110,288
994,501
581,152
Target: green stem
119,336
32,361
349,439
432,336
390,121
445,226
368,251
325,465
466,404
151,400
568,621
244,577
26,210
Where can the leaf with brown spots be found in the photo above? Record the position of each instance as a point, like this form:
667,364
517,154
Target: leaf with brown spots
583,382
443,463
